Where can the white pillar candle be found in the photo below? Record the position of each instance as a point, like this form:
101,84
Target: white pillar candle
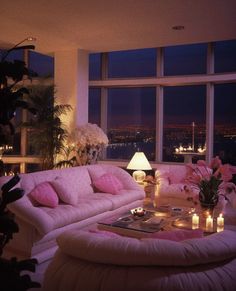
195,221
220,220
209,223
220,228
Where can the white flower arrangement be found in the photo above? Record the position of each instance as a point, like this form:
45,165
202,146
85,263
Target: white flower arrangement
87,142
89,135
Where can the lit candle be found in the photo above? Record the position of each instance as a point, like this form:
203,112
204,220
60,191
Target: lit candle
195,221
209,223
220,220
220,228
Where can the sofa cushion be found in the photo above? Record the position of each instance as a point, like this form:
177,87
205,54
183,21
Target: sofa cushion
178,174
177,191
45,195
130,251
177,235
125,197
77,179
124,177
65,191
108,183
65,214
96,171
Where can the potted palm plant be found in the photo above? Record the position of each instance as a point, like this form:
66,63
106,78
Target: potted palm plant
47,133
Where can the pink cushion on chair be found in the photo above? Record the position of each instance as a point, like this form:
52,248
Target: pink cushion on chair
108,183
45,195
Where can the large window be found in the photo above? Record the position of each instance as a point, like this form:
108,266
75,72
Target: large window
19,158
41,64
11,56
94,66
134,63
185,59
131,122
184,120
14,140
225,122
184,104
225,56
95,105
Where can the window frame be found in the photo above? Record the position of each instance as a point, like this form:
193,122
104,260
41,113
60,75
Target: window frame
160,81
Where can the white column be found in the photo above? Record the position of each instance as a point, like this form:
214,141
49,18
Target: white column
159,106
209,121
71,84
210,105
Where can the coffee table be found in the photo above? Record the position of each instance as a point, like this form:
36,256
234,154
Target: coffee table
162,218
168,218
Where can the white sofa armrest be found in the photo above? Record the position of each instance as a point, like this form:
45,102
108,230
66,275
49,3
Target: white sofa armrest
35,216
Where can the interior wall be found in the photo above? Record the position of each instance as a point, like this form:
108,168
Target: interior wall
71,82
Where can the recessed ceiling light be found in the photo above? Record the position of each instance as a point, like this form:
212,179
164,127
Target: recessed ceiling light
178,27
31,38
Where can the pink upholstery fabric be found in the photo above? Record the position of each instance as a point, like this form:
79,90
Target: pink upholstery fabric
178,235
96,172
104,233
108,183
64,192
43,224
179,175
140,252
87,207
123,176
45,195
77,179
124,198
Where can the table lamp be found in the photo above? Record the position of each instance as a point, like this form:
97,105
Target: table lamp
139,163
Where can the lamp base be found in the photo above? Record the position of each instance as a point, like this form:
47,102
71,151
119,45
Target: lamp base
139,176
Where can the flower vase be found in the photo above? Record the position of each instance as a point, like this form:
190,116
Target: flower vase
88,155
208,201
207,209
93,153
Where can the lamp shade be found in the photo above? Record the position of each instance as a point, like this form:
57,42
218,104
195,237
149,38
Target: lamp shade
139,162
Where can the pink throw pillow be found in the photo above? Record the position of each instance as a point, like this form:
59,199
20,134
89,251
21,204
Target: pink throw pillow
45,195
178,235
108,183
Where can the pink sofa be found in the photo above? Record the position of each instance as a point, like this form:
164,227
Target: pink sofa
170,188
39,225
106,261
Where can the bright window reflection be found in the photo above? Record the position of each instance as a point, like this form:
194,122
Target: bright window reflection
131,122
182,107
225,122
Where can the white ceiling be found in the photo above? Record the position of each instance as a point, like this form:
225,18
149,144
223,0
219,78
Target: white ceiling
106,25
